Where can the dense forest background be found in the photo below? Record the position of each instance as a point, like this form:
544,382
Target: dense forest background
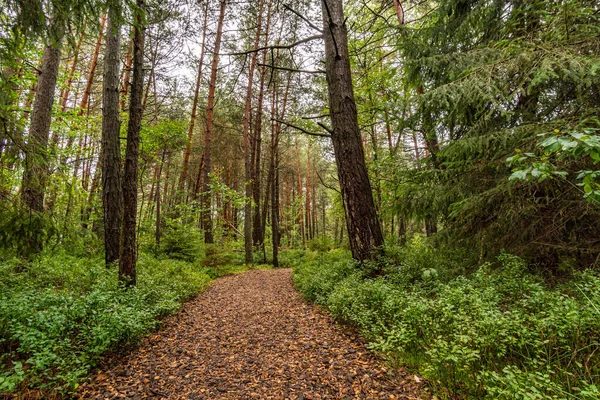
181,140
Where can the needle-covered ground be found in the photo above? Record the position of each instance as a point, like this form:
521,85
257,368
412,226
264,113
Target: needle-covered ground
250,336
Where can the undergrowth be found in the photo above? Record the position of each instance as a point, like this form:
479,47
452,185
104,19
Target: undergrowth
63,312
495,331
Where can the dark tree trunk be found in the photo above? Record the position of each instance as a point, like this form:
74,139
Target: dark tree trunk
112,191
127,262
36,158
206,195
364,230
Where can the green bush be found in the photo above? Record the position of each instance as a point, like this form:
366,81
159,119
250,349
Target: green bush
60,314
498,333
182,243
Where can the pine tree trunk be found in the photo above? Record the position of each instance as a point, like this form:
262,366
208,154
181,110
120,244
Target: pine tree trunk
248,148
36,158
112,190
158,233
85,99
188,145
364,230
258,235
127,262
126,74
206,195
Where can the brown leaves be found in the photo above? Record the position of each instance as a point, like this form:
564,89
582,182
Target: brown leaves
250,336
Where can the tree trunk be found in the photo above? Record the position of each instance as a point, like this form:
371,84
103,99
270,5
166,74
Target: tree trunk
188,145
112,191
36,171
85,99
126,74
275,168
127,262
364,230
158,232
248,167
64,96
206,195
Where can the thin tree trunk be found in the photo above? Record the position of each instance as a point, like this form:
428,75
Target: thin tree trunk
112,190
206,195
300,205
85,99
364,230
258,236
127,262
64,95
190,136
158,232
307,198
248,167
275,168
126,75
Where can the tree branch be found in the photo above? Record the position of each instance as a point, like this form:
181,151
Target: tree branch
301,129
324,184
305,71
303,18
328,129
282,46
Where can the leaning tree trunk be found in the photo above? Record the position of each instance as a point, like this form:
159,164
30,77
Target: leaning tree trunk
112,191
127,262
36,158
206,199
364,230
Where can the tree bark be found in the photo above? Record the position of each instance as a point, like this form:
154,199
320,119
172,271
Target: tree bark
85,99
364,230
127,262
36,158
112,191
248,149
188,145
126,74
206,195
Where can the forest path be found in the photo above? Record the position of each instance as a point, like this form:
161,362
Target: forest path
250,336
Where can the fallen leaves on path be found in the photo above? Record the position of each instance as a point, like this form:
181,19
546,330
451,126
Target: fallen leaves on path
250,336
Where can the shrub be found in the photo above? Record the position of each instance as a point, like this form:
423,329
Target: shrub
499,332
60,314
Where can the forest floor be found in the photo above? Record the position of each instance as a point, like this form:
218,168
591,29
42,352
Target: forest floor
250,336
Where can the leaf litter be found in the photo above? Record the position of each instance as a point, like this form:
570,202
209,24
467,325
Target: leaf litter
250,336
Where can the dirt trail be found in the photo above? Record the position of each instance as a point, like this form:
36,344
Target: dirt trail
250,336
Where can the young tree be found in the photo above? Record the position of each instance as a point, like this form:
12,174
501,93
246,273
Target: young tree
364,230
